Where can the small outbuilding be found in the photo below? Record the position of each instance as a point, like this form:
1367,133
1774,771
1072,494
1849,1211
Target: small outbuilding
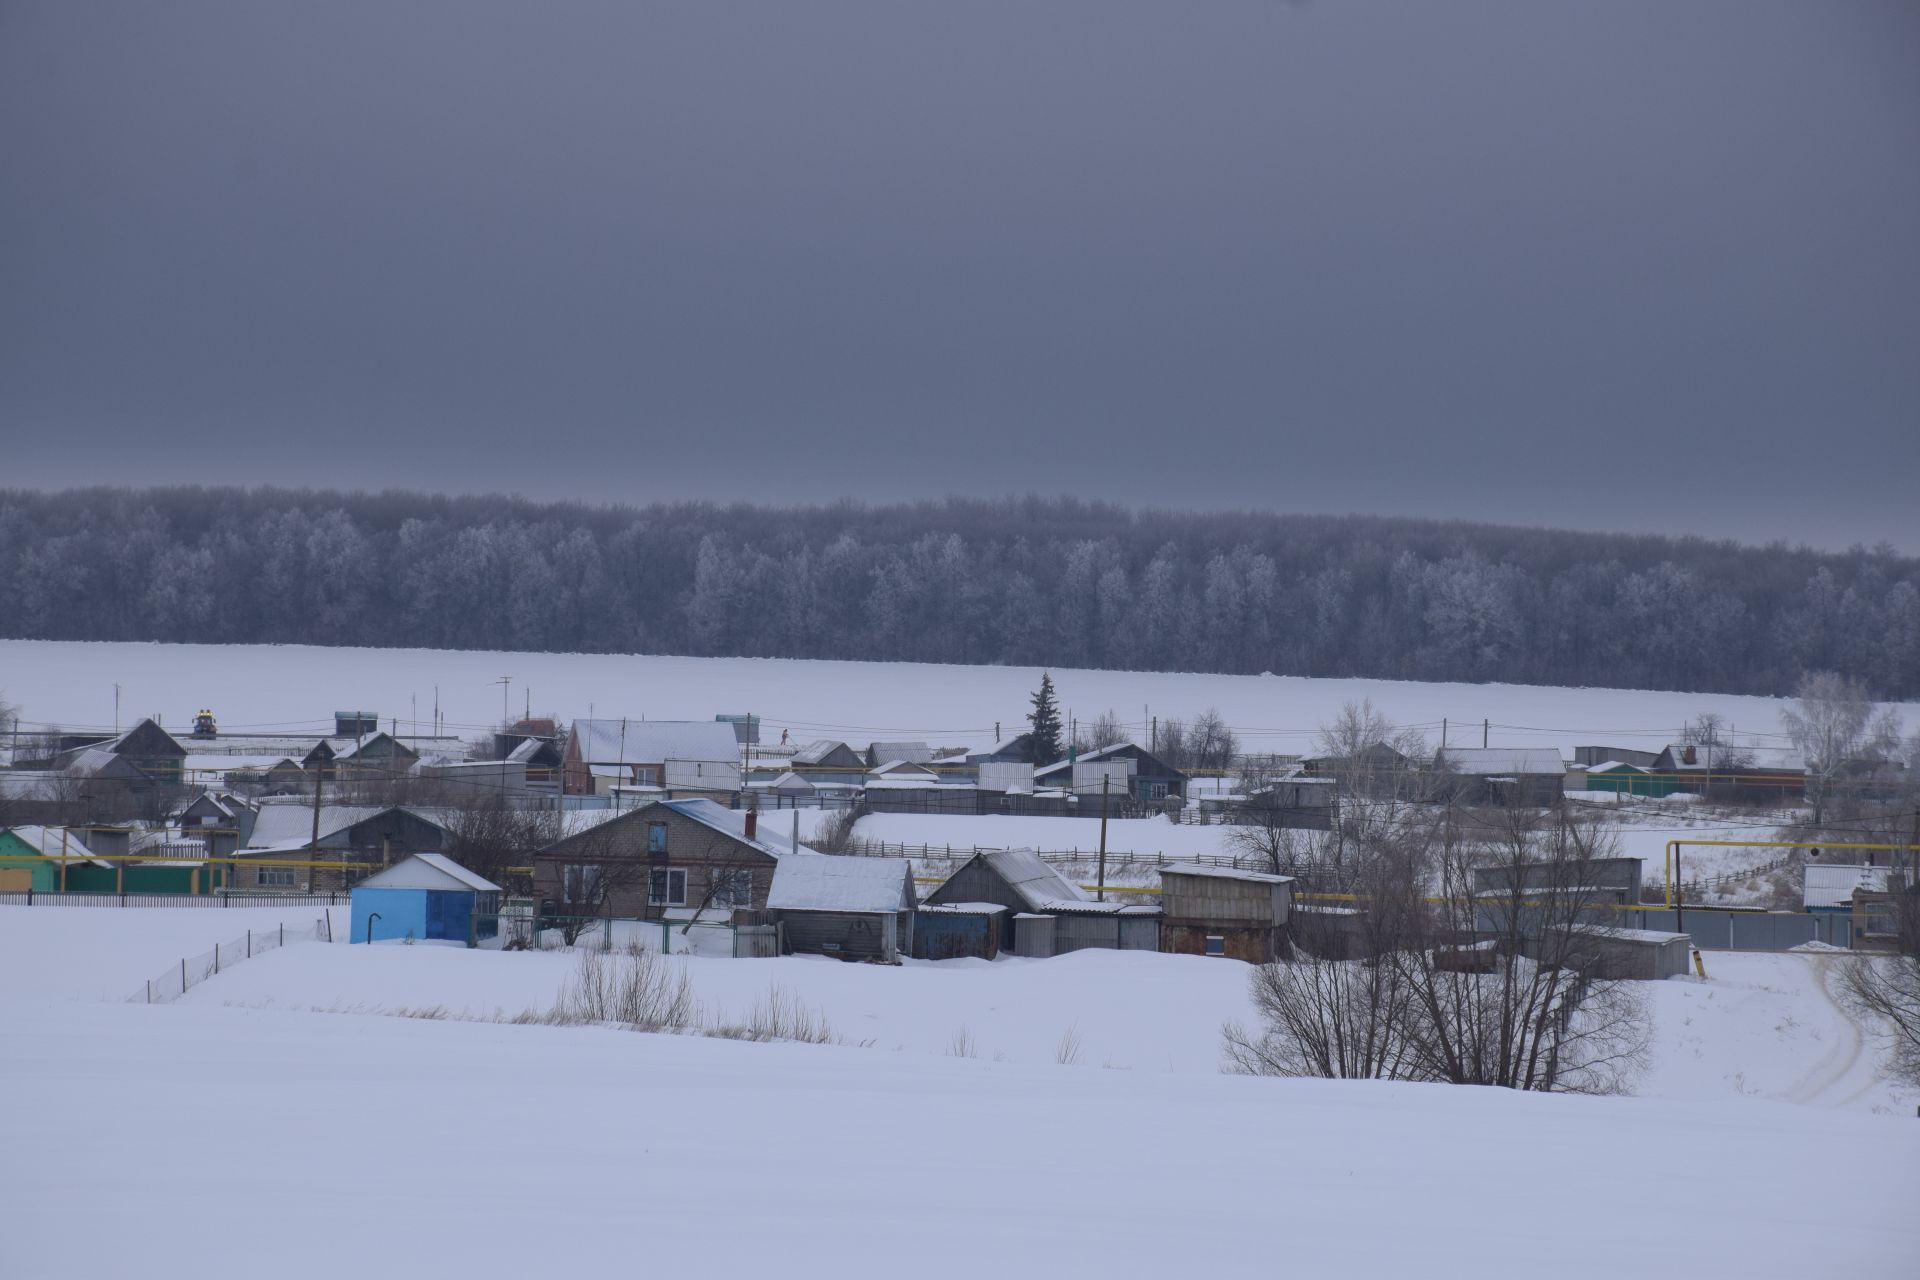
428,896
1223,911
1646,955
960,929
1052,915
853,908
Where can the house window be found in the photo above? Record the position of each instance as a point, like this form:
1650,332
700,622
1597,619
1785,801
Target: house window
656,837
733,889
646,775
580,881
1157,791
1216,944
667,887
274,877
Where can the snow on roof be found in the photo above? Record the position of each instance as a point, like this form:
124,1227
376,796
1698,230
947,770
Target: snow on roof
825,882
902,768
965,908
1487,761
1729,757
770,839
888,752
1068,761
47,842
1223,873
290,826
791,781
1033,881
1831,885
1629,935
655,741
429,871
818,750
1607,766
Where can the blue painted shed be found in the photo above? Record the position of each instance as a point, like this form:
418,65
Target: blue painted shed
428,896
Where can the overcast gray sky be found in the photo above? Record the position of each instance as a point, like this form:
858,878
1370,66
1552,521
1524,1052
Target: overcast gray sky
1644,266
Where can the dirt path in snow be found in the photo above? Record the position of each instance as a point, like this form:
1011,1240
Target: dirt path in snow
1826,1082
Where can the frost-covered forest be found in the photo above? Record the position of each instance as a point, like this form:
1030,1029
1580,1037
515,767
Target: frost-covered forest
1029,581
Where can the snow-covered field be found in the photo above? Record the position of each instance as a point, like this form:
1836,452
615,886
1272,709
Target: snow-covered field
273,688
306,1142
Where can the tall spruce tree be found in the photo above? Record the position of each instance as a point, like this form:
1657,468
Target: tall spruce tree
1045,719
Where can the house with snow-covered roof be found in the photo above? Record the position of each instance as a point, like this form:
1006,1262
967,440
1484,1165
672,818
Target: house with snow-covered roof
695,755
1051,915
693,859
427,897
1532,776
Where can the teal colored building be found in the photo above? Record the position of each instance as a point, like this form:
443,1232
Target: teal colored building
428,897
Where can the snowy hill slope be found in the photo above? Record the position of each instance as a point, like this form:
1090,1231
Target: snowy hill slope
249,688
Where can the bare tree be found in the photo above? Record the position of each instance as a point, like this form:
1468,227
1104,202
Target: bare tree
1833,724
1475,965
1886,988
591,875
1211,743
488,836
1105,730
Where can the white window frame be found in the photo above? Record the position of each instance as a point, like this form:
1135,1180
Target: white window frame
275,878
574,877
658,876
737,896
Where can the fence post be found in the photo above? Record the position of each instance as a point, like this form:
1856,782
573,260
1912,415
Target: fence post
183,975
249,944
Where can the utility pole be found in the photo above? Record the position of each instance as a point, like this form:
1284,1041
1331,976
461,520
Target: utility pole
506,714
116,706
1443,733
1106,783
313,844
1484,725
1155,736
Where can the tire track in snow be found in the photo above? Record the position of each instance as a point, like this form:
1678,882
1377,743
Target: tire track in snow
1840,1059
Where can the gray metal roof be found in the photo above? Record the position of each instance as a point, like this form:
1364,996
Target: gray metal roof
655,741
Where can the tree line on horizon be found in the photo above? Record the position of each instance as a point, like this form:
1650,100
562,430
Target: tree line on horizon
1030,581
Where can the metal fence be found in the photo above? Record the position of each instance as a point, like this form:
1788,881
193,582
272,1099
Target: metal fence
1725,930
525,932
212,901
178,979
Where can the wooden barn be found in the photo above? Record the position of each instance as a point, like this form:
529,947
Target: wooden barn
852,908
1223,911
1051,914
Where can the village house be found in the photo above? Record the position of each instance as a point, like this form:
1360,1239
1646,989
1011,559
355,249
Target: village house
698,756
688,860
1150,780
1533,777
1050,914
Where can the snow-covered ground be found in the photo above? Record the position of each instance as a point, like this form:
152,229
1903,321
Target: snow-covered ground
963,833
268,688
443,1147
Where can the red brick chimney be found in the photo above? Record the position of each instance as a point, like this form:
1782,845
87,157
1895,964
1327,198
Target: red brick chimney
753,824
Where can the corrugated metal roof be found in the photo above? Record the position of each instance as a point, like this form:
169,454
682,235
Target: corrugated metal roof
1832,885
1033,881
1514,761
824,882
1223,873
655,741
